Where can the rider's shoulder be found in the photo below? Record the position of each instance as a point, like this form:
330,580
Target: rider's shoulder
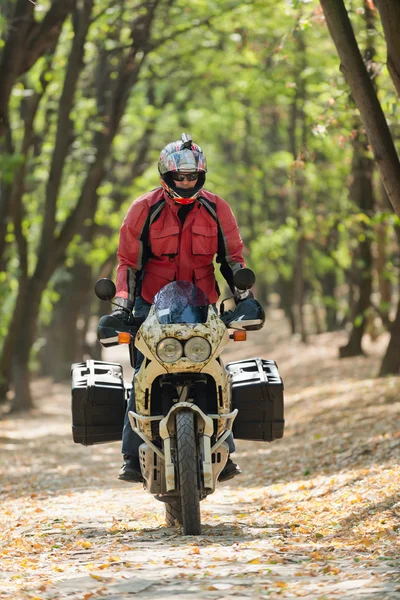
211,197
219,203
149,198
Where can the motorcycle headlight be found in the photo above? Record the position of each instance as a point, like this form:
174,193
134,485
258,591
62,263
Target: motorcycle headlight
197,349
169,350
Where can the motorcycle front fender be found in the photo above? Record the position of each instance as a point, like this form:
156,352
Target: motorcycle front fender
205,429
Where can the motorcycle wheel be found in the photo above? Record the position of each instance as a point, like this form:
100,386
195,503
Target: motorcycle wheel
173,512
188,476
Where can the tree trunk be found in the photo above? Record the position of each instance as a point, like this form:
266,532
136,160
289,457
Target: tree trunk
25,332
17,213
12,337
365,97
315,306
27,41
63,337
6,149
391,360
298,289
362,193
52,249
12,56
298,121
389,11
381,258
285,291
328,283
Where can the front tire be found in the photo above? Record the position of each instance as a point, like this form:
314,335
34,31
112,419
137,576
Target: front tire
188,476
173,513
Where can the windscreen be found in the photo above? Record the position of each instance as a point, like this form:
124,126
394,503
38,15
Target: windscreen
181,302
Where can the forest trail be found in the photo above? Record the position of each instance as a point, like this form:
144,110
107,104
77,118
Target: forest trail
315,515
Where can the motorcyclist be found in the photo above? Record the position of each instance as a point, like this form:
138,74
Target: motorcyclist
173,233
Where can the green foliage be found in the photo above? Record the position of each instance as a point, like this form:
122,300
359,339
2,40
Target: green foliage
231,73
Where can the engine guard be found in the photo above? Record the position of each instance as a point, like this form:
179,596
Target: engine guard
157,466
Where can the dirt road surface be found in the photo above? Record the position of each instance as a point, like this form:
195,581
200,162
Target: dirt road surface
315,515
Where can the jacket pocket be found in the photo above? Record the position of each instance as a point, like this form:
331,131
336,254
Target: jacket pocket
206,270
204,239
205,280
156,276
164,241
160,270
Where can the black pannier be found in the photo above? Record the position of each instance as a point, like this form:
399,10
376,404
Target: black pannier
98,402
257,392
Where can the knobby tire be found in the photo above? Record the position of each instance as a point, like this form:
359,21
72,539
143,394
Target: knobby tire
173,512
188,475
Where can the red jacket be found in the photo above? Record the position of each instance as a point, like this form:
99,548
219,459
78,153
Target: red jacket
155,249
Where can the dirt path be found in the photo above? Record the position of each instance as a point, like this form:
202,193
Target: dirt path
315,515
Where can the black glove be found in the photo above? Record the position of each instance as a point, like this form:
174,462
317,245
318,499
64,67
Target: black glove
240,295
122,315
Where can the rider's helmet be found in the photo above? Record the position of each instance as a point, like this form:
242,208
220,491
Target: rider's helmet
182,156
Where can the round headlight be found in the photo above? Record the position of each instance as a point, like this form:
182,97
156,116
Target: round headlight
169,350
197,349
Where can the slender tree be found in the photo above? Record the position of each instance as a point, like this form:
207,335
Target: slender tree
52,248
365,97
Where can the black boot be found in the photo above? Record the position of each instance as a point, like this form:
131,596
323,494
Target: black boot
130,470
230,470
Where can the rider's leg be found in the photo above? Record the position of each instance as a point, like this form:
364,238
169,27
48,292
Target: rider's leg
231,469
130,470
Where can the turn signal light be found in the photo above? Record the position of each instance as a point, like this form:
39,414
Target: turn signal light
124,337
239,336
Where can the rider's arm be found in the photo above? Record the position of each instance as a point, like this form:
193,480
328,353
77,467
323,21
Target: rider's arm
132,253
230,245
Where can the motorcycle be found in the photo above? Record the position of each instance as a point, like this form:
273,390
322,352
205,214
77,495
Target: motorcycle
186,400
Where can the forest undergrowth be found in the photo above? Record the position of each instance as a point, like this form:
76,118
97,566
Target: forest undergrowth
315,515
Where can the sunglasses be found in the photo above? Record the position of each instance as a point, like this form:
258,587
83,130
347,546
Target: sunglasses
183,176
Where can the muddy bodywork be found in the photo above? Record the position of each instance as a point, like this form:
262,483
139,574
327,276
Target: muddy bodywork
150,334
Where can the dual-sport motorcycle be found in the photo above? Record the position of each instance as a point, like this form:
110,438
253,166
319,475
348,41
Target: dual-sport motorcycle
187,402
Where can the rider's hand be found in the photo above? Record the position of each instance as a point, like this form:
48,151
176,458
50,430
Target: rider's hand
241,295
122,315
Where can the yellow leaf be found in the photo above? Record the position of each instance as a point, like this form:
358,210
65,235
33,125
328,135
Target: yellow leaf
255,561
95,576
195,550
330,569
114,559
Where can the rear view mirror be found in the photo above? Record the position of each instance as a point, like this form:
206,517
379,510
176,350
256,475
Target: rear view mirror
105,289
244,279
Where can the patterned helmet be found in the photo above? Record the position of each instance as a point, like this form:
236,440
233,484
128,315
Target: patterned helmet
182,156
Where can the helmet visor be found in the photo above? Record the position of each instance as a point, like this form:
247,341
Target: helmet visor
185,160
